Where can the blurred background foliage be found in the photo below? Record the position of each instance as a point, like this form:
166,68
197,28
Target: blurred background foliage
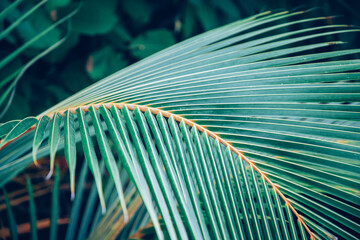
105,36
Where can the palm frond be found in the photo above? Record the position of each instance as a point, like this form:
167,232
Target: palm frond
233,133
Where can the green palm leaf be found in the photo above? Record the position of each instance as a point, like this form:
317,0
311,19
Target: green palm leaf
233,134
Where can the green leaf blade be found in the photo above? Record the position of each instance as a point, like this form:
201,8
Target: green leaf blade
19,129
70,148
39,135
108,158
90,155
160,175
54,140
11,217
5,128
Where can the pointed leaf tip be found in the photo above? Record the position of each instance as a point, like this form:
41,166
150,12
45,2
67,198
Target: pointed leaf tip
49,174
103,210
126,218
39,136
54,138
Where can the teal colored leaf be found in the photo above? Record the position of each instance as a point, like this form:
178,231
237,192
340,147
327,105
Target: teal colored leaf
151,42
280,212
212,211
89,211
70,148
63,50
35,39
40,22
250,195
188,22
39,135
239,192
90,155
108,157
54,140
18,21
104,62
9,8
222,198
95,17
160,175
271,208
261,206
190,182
19,129
181,193
148,171
124,150
207,17
140,11
5,128
229,188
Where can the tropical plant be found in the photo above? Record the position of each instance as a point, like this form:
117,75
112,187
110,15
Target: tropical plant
233,133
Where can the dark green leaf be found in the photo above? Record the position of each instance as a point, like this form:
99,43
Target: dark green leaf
32,211
95,17
151,42
5,128
90,155
139,10
104,62
12,222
